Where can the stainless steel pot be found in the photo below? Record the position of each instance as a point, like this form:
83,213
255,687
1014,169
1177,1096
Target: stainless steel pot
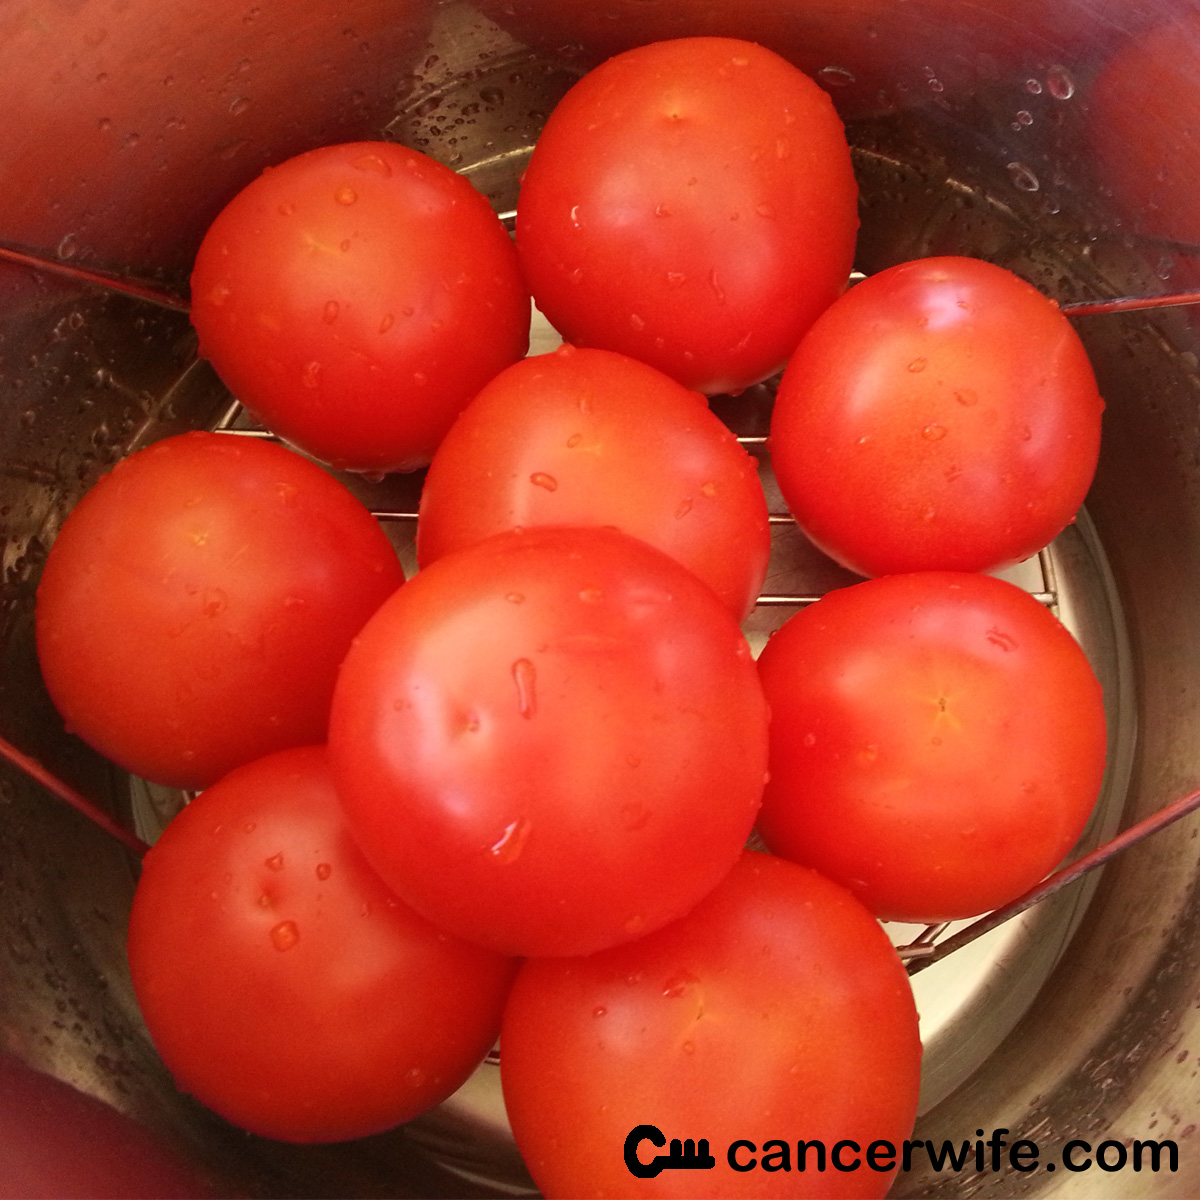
1061,139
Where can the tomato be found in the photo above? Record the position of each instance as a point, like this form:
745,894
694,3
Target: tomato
776,1011
943,415
692,204
588,437
197,603
355,297
551,741
282,983
937,742
56,1141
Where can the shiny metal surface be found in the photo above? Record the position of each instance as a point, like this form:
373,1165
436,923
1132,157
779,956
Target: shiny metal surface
1053,138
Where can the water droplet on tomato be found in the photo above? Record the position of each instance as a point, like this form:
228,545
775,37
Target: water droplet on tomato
219,294
1005,641
1026,433
638,323
661,210
544,481
1059,83
835,76
764,210
345,195
599,1011
275,862
809,739
420,378
678,985
310,375
330,313
575,216
285,935
324,870
685,507
708,489
592,595
515,598
933,432
415,1077
507,848
373,163
524,675
635,925
688,1047
718,291
215,602
676,278
918,365
344,245
967,398
574,440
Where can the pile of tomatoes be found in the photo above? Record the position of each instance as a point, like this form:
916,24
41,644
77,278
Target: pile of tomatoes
515,791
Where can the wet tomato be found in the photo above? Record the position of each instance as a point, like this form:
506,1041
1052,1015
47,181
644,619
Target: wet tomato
589,437
776,1011
942,415
937,742
355,297
690,203
551,741
282,983
197,603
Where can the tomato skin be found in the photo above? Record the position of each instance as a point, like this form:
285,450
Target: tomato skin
690,203
588,437
551,741
937,742
197,603
283,984
355,297
777,1008
943,415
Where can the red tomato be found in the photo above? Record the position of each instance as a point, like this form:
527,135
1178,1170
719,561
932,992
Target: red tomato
197,603
284,986
937,742
776,1011
690,203
943,415
354,299
551,741
587,437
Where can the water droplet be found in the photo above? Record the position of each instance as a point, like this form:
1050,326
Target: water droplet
68,247
708,489
638,323
809,739
515,598
685,507
420,378
508,846
635,925
388,321
215,602
324,870
928,513
285,935
415,1077
718,291
239,106
104,123
599,1011
1024,119
1026,433
575,217
688,1047
966,397
331,311
287,209
275,862
676,278
373,163
836,76
933,432
345,195
1005,641
678,985
1059,83
574,440
1033,87
918,365
592,595
764,210
310,376
1022,177
542,480
524,675
661,210
344,245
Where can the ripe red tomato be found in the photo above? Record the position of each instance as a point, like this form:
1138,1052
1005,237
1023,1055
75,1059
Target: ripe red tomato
943,415
197,603
354,298
551,741
776,1011
588,437
690,203
937,742
283,985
